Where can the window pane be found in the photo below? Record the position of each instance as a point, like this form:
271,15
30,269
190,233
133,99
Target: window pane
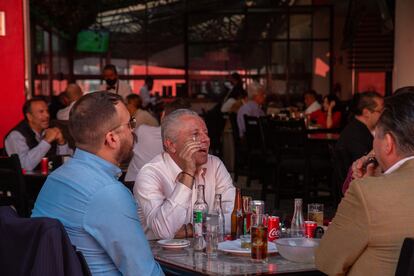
321,68
300,26
321,23
166,60
87,66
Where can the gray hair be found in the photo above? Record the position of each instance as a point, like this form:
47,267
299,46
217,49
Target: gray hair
170,125
254,89
398,120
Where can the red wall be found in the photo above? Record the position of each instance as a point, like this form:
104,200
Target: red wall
11,66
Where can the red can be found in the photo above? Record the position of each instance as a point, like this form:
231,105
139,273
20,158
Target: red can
273,226
310,227
44,165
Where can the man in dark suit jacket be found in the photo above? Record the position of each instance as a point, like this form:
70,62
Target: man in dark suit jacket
356,138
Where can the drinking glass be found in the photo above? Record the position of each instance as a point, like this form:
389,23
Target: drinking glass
212,235
315,213
258,233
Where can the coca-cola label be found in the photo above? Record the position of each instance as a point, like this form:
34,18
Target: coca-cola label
274,234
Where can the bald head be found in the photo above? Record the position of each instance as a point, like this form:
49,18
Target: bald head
73,92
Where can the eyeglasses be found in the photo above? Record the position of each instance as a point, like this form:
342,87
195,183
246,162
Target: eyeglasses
131,124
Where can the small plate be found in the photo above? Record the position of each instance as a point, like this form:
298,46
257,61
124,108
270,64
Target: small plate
234,247
174,243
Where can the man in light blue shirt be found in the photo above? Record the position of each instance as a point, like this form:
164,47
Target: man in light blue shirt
252,107
99,212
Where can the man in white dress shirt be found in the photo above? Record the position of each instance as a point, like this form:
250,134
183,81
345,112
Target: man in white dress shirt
73,93
165,188
149,142
113,83
145,92
310,98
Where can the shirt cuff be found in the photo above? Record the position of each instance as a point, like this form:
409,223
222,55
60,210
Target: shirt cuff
181,195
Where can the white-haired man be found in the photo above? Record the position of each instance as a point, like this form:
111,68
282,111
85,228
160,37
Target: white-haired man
165,188
256,97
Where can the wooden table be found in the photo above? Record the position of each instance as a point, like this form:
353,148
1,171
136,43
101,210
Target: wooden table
189,262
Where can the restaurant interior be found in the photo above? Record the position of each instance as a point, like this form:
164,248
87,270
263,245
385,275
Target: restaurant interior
191,49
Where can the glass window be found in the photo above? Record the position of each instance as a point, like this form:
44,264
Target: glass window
300,26
321,69
87,66
321,23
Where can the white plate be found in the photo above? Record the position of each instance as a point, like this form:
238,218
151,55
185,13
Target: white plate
235,247
174,243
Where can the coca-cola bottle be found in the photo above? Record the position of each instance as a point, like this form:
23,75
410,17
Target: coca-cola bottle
218,210
297,227
200,211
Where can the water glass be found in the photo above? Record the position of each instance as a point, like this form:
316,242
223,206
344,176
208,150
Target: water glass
212,235
315,213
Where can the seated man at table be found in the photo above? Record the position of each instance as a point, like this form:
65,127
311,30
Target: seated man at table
98,211
73,93
32,139
311,103
149,142
165,188
356,138
376,214
143,117
256,97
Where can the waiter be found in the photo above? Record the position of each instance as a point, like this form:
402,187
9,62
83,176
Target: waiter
113,83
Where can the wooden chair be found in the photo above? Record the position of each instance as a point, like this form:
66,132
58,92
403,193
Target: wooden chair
12,185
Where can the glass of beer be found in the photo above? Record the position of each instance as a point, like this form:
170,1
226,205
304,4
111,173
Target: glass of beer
258,233
315,213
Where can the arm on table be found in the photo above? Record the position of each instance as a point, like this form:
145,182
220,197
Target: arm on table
165,216
347,236
29,158
112,220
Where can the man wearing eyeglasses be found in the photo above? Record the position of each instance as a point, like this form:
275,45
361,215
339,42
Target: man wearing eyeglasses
356,139
98,211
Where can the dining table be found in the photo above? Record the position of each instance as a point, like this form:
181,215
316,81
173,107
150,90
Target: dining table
186,261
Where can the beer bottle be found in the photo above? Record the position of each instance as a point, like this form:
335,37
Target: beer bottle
200,211
237,217
217,210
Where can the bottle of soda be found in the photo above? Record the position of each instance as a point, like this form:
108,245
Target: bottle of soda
237,217
218,210
200,211
297,227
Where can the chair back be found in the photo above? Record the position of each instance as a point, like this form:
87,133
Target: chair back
254,135
35,246
12,185
287,137
405,266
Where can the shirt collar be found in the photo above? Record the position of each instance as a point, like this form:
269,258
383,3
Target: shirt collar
95,160
398,164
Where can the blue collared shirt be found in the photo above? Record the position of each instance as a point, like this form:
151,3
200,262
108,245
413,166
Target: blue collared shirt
99,215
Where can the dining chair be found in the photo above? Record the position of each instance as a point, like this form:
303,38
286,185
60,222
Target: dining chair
240,151
12,185
288,139
405,265
37,246
260,158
